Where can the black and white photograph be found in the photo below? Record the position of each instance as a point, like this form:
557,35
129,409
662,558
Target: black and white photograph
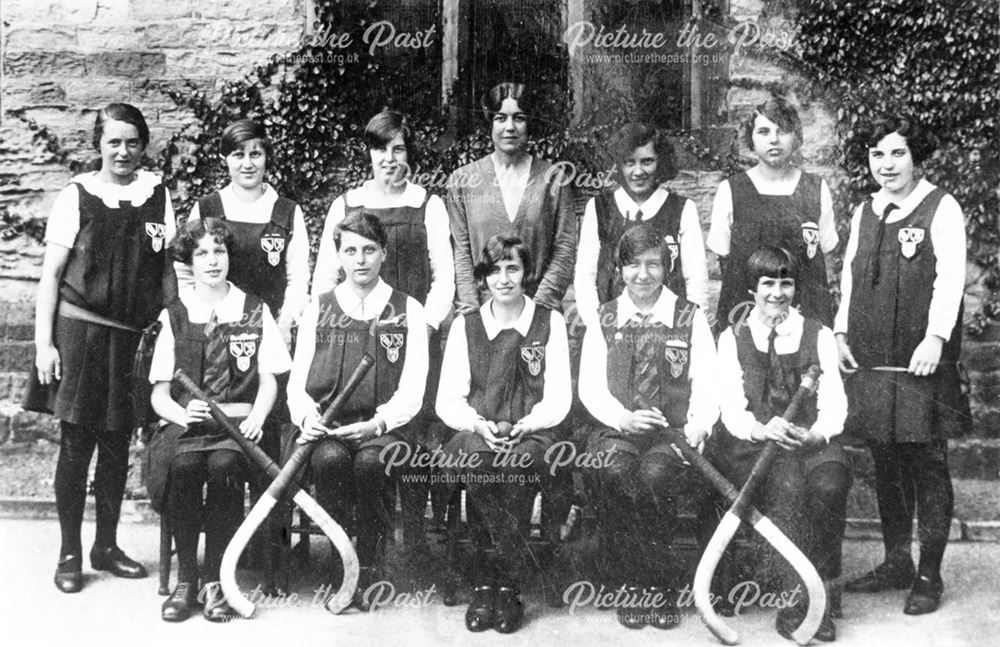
415,322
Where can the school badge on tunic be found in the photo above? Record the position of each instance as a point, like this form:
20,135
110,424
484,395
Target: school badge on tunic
675,249
909,238
391,342
676,353
810,236
273,245
533,355
243,348
157,232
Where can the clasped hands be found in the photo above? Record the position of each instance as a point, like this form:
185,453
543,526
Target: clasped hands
313,429
501,436
787,435
646,420
198,411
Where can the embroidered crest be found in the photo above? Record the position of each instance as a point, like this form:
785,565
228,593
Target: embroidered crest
533,355
243,347
810,236
677,357
157,232
273,245
675,249
909,238
391,342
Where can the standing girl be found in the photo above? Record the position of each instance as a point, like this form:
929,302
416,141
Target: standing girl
270,255
508,391
899,332
773,203
228,343
105,276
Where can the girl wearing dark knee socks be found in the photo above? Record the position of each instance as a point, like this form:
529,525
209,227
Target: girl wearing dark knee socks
228,343
650,364
104,278
899,329
761,364
506,390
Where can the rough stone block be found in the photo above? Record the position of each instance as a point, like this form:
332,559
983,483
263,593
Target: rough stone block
981,356
209,63
50,11
112,11
110,37
982,531
29,426
745,9
150,10
18,320
22,92
29,37
44,63
754,68
285,10
742,101
128,64
97,92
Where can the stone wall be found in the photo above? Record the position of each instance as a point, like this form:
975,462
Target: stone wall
63,60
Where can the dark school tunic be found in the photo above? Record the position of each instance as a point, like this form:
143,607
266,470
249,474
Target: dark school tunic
611,225
886,323
242,339
736,456
115,269
341,342
787,221
258,263
407,266
507,377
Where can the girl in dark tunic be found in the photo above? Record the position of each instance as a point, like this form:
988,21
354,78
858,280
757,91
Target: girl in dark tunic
902,287
104,278
228,343
507,391
773,203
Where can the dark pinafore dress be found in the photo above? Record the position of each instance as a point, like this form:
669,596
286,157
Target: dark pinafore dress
258,265
407,268
734,456
672,348
116,270
236,381
611,225
887,320
341,342
787,221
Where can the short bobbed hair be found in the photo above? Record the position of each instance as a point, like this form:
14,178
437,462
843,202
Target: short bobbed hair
363,224
504,248
184,243
120,112
770,261
780,111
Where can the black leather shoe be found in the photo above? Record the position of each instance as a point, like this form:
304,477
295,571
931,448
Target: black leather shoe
788,620
181,603
117,562
508,611
827,631
663,611
883,577
69,574
631,614
215,607
723,606
924,597
479,615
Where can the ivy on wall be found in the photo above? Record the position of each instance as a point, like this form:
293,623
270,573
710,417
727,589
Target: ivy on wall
937,62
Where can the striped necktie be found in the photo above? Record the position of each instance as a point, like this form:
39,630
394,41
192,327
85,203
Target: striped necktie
876,264
216,362
645,361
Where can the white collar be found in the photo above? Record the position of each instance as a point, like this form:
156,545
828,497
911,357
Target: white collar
363,309
366,196
136,192
792,325
906,205
628,207
266,199
521,325
662,311
227,309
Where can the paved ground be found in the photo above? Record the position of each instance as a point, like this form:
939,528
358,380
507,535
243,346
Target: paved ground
112,611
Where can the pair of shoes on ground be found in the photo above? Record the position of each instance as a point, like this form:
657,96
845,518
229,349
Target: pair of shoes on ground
925,589
69,572
495,607
186,598
650,606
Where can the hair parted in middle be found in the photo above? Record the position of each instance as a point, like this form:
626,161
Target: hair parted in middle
504,248
780,111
